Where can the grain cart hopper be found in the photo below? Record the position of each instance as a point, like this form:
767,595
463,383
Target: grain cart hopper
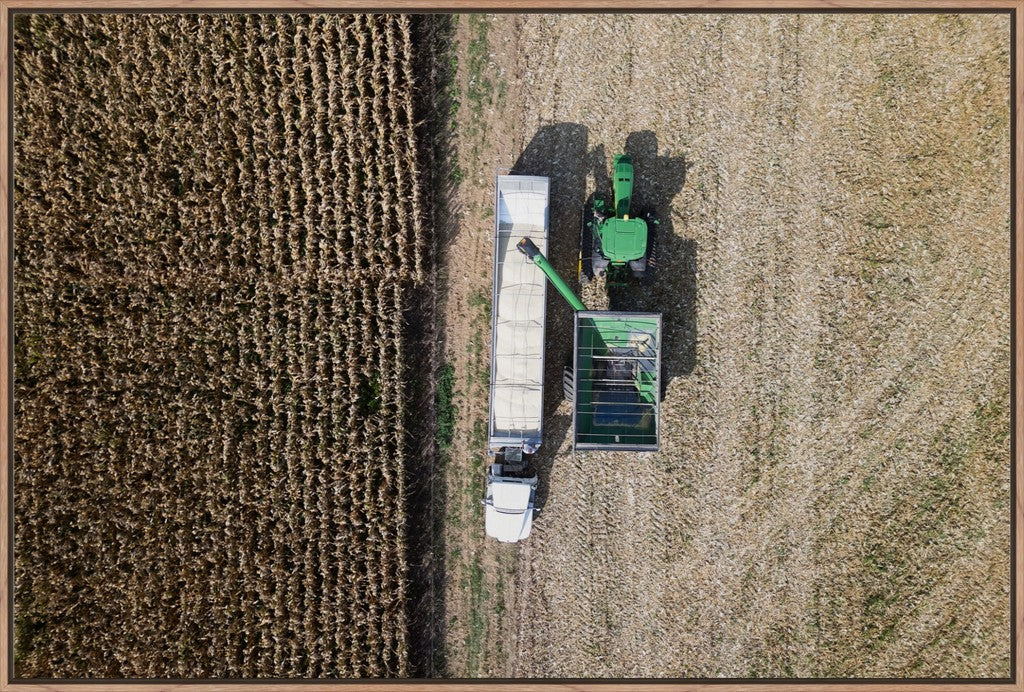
517,357
613,242
614,382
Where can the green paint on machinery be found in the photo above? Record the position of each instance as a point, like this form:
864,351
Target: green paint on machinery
528,248
616,367
613,242
614,381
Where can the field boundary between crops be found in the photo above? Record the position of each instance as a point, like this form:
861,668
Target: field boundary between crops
427,500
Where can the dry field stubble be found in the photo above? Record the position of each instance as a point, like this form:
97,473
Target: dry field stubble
218,226
832,496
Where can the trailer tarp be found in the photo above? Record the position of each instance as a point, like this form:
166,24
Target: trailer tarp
517,315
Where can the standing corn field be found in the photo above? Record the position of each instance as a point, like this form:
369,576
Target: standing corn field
218,226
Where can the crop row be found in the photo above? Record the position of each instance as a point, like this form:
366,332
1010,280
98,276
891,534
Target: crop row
218,228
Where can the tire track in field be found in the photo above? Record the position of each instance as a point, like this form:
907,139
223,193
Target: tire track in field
828,357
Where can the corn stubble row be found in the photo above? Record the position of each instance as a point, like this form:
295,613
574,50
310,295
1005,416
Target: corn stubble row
217,229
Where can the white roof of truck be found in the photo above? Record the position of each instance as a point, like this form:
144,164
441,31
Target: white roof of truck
517,320
508,515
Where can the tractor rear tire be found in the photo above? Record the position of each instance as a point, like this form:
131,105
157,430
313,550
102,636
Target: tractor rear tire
568,383
648,276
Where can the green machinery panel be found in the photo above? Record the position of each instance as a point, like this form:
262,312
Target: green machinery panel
617,381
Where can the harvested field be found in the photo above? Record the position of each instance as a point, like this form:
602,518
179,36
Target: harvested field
218,226
832,494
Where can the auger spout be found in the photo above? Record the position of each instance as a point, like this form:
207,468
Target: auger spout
528,248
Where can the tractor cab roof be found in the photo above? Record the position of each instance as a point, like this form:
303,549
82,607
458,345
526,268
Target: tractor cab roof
623,240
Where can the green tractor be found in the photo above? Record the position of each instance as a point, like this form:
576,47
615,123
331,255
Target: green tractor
613,242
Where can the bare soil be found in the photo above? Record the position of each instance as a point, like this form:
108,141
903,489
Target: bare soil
832,494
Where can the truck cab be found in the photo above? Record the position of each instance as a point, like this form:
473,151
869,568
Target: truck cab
509,502
508,511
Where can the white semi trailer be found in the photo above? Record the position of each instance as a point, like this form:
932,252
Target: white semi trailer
517,356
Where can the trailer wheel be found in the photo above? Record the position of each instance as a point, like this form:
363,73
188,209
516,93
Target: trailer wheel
568,383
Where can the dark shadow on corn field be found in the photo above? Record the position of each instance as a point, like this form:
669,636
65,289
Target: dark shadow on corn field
427,502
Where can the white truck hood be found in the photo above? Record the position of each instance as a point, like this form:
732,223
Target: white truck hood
508,510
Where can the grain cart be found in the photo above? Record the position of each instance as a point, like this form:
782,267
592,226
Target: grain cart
515,424
614,243
614,382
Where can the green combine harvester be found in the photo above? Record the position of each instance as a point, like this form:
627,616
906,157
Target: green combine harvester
614,244
614,382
